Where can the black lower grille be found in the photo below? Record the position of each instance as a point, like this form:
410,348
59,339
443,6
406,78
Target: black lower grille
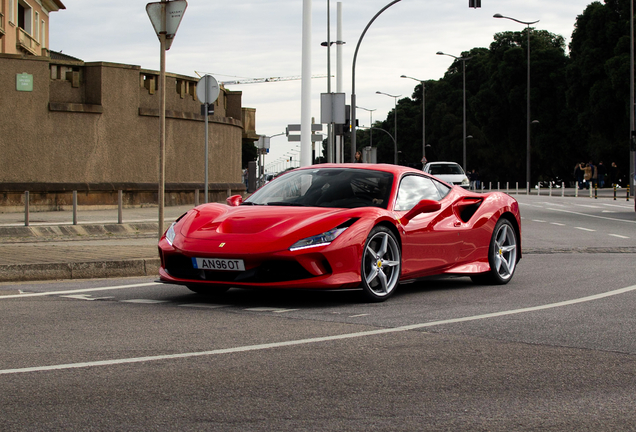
181,267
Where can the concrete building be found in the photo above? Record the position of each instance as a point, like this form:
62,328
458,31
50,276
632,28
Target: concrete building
24,25
67,125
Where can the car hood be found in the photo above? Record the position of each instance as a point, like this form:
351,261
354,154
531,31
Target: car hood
262,228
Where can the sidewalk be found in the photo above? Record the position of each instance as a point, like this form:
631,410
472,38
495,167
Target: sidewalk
51,247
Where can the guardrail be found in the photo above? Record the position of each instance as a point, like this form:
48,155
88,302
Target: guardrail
120,205
560,190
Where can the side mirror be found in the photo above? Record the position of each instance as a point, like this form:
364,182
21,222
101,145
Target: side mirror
234,200
424,206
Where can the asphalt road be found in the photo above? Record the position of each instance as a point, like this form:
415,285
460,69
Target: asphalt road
552,350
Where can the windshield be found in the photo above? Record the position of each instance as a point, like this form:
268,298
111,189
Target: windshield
326,187
446,169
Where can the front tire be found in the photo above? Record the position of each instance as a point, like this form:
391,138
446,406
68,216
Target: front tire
381,264
502,255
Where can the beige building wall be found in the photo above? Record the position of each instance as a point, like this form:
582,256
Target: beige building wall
24,26
94,127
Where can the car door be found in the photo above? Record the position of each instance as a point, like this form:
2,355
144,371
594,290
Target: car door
430,241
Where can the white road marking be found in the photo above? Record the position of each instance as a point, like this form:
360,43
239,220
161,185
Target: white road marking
356,316
85,297
144,301
588,206
585,229
118,287
593,216
619,236
538,220
316,339
557,224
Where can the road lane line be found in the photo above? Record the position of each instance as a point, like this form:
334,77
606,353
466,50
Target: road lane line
584,229
118,287
619,236
592,216
297,342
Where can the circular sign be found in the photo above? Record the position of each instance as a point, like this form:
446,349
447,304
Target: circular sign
208,89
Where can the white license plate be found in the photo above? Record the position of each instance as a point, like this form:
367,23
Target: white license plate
221,264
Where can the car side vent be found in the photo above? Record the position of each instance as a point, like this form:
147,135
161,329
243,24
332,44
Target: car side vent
348,223
467,207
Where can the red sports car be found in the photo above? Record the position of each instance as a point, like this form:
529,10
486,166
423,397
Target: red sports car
344,226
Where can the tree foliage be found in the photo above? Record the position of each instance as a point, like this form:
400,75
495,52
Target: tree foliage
580,102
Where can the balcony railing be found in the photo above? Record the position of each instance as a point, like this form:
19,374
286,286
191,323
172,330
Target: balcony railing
26,42
1,24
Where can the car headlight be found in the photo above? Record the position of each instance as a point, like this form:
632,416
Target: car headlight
465,181
171,234
318,240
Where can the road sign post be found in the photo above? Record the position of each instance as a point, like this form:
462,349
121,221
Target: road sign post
207,92
165,17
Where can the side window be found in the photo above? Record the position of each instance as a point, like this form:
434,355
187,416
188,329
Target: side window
413,189
442,188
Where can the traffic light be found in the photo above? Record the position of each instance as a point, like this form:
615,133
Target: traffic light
474,3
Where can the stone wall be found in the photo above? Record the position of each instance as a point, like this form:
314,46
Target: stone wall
95,127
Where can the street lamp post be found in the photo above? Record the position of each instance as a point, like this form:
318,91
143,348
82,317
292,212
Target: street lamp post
395,150
353,79
395,98
527,101
370,124
463,60
423,116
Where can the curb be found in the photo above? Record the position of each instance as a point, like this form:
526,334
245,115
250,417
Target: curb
81,232
79,270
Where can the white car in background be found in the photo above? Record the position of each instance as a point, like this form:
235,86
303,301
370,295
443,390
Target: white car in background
450,172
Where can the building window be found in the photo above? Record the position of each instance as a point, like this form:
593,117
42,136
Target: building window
25,19
36,27
43,35
11,11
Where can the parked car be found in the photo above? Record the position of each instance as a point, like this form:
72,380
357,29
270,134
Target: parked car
333,226
450,172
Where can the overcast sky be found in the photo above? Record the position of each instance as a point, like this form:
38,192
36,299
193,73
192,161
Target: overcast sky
263,38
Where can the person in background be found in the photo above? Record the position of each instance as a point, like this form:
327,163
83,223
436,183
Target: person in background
358,157
601,174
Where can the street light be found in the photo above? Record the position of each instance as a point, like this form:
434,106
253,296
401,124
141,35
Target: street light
423,116
370,124
463,60
353,79
395,98
395,150
528,100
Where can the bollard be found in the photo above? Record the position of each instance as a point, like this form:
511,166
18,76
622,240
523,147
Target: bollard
229,192
614,192
550,189
576,190
120,206
498,188
26,208
539,190
196,197
517,187
562,189
507,189
627,193
591,192
595,192
489,186
74,207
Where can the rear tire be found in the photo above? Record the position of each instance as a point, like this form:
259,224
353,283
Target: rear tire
381,265
502,255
